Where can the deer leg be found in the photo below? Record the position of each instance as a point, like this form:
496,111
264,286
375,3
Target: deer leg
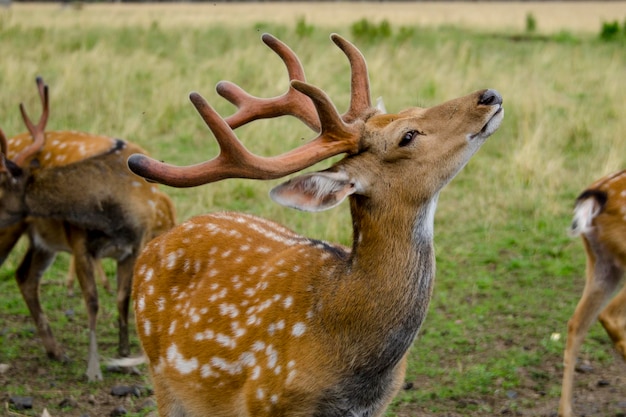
71,274
602,279
8,238
167,403
103,277
69,279
28,276
613,319
85,264
124,284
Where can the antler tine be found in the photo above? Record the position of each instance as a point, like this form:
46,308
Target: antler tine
37,132
290,103
235,161
360,100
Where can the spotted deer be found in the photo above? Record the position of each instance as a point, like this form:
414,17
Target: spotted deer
599,219
73,192
60,148
239,316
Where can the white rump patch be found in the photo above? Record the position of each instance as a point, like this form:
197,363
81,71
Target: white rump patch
584,213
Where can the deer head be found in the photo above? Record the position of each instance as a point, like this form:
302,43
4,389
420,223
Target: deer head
12,178
37,149
239,316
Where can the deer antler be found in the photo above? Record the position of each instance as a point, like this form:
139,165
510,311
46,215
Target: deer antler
38,131
292,102
360,86
235,161
339,134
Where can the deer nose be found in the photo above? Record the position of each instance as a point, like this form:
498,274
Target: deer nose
490,97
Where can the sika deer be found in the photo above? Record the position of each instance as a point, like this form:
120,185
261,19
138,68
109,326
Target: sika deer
93,207
599,220
239,316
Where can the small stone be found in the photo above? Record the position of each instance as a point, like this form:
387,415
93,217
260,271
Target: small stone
407,386
147,404
511,394
603,383
21,403
584,368
124,390
68,403
118,411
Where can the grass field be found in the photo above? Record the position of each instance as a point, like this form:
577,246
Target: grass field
508,275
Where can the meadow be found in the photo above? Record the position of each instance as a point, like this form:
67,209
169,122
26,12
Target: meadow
508,274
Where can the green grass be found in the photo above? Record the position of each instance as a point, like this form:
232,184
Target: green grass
508,275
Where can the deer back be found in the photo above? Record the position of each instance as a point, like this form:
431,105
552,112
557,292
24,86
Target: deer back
61,147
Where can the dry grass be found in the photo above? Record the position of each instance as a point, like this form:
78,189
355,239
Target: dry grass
126,70
551,16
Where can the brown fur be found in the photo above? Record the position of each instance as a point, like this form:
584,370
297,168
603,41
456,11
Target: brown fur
603,231
239,316
75,193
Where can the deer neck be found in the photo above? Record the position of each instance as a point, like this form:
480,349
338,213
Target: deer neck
389,280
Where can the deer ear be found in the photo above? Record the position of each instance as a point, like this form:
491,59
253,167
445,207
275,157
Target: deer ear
316,191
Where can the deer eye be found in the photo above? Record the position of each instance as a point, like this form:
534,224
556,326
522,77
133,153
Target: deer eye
408,138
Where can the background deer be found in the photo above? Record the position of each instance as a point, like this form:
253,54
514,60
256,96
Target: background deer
239,316
599,220
93,207
60,148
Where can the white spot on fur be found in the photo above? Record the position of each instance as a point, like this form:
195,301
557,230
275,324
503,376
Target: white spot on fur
148,275
232,368
205,335
141,303
290,377
247,359
225,341
258,346
256,372
298,329
206,371
229,310
272,356
182,365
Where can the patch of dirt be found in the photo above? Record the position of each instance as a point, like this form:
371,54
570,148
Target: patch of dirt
62,390
599,391
72,396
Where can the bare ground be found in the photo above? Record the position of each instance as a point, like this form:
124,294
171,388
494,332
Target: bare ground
62,390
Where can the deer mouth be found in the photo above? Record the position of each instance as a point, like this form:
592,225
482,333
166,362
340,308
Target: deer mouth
492,124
